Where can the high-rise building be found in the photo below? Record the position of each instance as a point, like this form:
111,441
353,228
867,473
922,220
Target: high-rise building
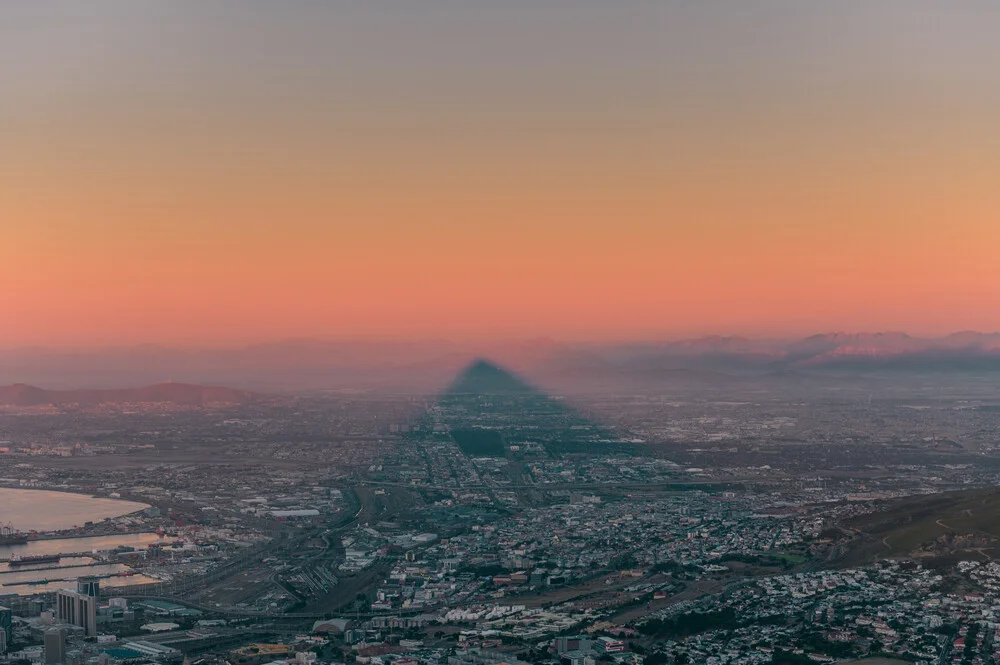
55,646
78,609
89,586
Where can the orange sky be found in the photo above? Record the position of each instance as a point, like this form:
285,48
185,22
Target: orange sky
211,176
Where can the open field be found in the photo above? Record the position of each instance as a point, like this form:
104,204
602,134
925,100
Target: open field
593,589
693,591
930,525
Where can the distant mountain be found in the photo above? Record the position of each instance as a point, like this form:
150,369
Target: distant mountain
175,393
890,350
429,366
22,395
962,351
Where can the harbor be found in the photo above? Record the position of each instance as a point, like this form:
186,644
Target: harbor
28,574
42,556
51,578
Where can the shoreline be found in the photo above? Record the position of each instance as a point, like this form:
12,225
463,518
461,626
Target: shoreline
53,534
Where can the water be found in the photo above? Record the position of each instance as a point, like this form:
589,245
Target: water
42,510
79,545
35,578
64,575
67,571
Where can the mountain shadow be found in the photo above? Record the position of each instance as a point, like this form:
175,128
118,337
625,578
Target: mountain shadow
482,377
491,412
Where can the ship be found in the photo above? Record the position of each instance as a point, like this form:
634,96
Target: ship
8,536
38,558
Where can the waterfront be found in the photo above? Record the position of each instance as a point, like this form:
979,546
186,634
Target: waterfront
28,579
79,545
64,575
44,510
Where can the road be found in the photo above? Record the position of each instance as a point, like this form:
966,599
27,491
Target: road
194,590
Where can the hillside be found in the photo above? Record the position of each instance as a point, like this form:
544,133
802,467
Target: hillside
963,523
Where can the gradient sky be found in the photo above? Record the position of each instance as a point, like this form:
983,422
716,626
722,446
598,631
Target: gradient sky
206,173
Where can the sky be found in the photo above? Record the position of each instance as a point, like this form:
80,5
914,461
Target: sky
230,172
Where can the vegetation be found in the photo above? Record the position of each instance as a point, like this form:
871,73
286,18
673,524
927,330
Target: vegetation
780,657
691,623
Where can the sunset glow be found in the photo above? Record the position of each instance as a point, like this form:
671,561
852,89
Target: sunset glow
228,176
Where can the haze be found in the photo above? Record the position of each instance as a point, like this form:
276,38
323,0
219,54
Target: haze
227,173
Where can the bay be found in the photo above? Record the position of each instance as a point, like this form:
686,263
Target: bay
45,510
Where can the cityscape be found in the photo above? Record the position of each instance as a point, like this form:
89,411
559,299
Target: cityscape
505,332
495,522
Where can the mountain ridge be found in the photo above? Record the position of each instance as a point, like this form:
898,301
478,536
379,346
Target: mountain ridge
431,365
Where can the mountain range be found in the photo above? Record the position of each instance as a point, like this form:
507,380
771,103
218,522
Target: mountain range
311,364
966,350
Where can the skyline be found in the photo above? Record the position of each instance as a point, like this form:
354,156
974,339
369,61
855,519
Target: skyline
203,176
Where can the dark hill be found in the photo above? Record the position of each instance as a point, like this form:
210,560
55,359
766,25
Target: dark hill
174,393
960,524
20,394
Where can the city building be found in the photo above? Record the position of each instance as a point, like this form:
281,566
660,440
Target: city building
609,645
6,621
77,609
144,649
572,643
577,658
89,586
55,646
